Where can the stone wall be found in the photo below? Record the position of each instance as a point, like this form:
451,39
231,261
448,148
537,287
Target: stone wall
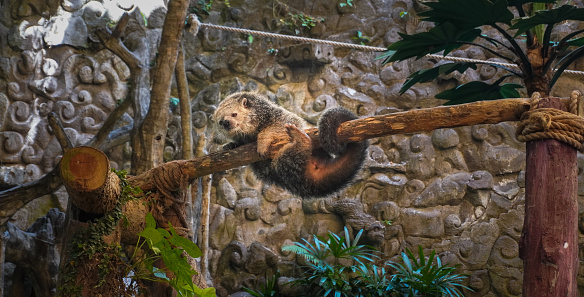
457,191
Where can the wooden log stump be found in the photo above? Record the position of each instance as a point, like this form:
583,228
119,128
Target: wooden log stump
549,246
91,185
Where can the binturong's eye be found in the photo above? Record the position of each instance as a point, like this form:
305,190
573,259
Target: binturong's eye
234,114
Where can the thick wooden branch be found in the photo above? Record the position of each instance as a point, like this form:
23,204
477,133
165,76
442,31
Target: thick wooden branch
113,43
185,105
149,136
483,112
59,132
104,132
92,186
428,119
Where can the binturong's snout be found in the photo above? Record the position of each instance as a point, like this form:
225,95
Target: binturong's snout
225,124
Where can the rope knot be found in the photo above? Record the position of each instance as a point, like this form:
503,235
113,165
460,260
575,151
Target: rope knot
551,123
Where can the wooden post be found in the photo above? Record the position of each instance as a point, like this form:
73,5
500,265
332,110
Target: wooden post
548,245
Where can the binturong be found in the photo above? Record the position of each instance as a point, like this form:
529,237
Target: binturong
296,166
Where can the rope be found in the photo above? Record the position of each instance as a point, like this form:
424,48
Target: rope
169,179
551,123
296,38
193,20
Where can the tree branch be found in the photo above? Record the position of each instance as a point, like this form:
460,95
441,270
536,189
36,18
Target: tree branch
413,121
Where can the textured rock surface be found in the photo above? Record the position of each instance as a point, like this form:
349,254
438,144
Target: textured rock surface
458,191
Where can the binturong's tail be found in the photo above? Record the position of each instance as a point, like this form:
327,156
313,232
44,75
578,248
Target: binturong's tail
333,167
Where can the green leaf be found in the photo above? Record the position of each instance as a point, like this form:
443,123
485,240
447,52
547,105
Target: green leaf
150,221
467,14
477,91
521,2
565,62
163,232
153,236
576,42
159,273
249,38
145,19
548,17
189,247
445,37
429,74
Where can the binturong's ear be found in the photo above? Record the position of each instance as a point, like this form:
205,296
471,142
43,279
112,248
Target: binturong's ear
245,103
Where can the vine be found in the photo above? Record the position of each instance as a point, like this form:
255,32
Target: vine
87,247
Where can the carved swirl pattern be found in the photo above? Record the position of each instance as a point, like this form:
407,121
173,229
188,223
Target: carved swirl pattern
79,88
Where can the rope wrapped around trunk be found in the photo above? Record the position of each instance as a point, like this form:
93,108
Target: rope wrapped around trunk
551,123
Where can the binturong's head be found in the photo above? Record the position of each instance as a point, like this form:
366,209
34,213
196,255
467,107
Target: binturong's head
235,115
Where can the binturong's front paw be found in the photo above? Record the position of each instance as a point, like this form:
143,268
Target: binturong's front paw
297,134
231,146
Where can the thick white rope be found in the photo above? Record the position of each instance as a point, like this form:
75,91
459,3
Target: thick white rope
193,19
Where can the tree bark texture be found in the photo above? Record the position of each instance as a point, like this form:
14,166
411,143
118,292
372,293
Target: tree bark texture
185,106
148,144
91,185
548,245
483,112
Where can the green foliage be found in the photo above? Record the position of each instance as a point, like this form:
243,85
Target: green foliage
203,7
440,38
174,101
87,243
459,23
347,3
300,21
326,274
468,14
548,17
269,289
478,90
170,246
421,277
429,74
362,39
338,266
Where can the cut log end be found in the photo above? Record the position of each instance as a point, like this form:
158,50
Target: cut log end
84,168
91,185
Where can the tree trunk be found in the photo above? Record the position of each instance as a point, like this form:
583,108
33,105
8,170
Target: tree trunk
548,245
149,143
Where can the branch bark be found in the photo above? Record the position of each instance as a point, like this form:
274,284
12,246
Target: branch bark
483,112
185,106
148,144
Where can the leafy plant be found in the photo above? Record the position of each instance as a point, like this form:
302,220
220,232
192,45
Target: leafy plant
170,246
347,3
202,7
362,39
326,272
300,21
357,275
460,23
373,281
269,289
421,277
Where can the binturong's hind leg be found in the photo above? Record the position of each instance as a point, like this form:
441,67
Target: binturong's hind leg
290,161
